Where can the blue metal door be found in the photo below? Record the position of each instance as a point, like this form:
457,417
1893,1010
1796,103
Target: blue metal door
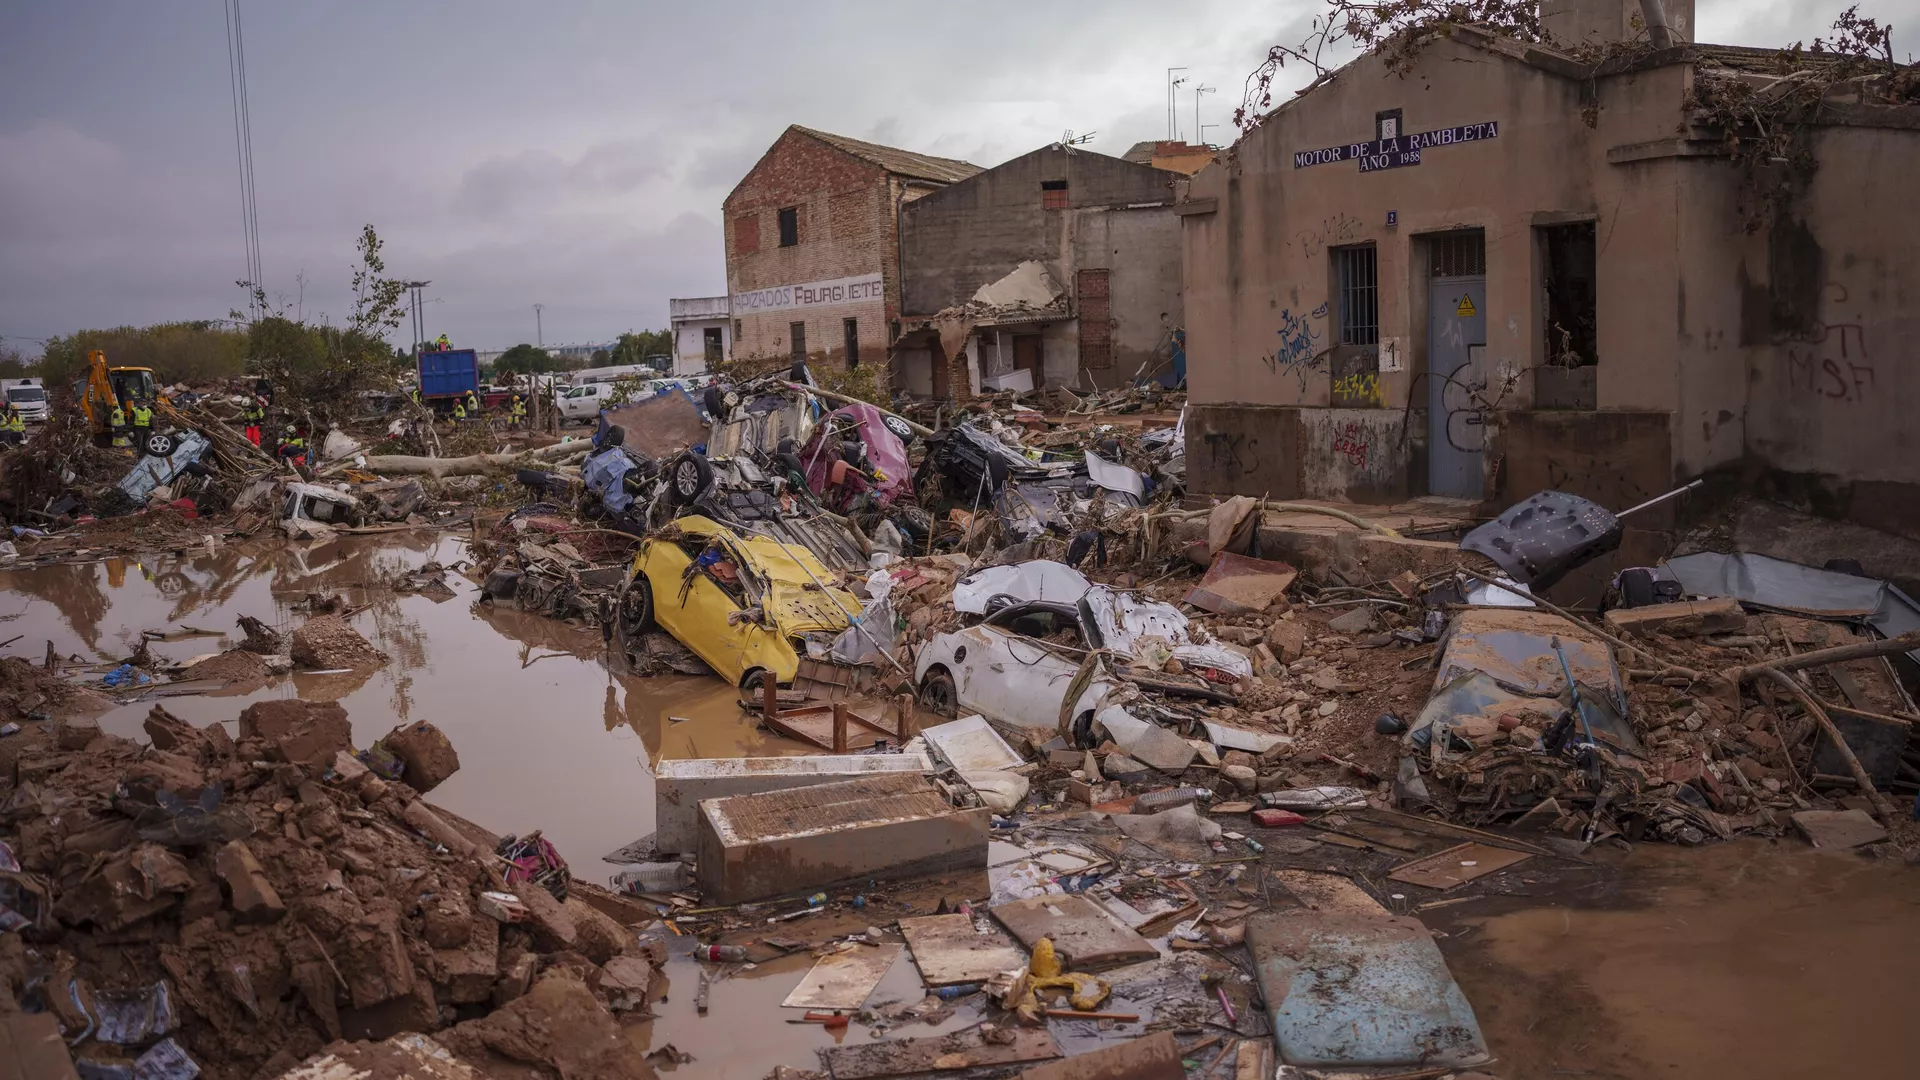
1456,390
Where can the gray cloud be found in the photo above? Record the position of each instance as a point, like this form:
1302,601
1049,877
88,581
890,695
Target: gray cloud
581,165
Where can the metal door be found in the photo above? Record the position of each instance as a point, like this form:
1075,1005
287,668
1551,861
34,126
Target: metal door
1456,356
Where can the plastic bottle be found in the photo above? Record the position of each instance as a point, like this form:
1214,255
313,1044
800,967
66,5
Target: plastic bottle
729,953
1256,845
949,993
1153,802
653,877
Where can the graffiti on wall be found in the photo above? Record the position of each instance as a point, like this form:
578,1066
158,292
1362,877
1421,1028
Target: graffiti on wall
1358,389
1833,362
1297,353
1351,442
1338,229
1231,451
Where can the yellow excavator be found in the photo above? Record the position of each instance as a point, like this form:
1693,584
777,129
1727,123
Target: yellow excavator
105,385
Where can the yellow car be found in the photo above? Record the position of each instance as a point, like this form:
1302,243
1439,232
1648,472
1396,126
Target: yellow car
745,605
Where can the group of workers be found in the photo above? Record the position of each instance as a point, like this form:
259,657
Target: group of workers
470,407
131,421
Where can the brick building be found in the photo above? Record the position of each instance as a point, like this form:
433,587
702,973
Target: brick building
812,246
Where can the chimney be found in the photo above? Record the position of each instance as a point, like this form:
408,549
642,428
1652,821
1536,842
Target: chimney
1596,22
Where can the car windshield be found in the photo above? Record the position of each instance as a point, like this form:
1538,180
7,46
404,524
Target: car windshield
26,393
1045,623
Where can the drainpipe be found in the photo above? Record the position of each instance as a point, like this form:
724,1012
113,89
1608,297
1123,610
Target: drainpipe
1659,30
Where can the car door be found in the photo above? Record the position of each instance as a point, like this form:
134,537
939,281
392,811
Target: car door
1013,679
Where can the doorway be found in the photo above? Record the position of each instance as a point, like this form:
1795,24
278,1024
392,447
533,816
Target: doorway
715,346
1456,363
1027,354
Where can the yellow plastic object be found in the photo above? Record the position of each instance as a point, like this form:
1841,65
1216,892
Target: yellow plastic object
1084,992
777,600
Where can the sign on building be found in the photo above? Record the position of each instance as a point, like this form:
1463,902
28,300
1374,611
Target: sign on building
813,294
1393,150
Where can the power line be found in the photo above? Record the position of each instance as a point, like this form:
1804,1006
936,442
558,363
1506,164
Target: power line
243,148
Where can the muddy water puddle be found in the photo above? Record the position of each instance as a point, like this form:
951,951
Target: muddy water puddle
548,738
1749,960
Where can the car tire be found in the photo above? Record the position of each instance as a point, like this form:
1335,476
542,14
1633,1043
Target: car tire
635,611
938,693
687,477
898,426
752,681
159,444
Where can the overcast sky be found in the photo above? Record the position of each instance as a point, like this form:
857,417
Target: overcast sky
568,153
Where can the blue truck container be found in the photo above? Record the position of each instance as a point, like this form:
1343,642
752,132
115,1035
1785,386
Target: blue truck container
448,374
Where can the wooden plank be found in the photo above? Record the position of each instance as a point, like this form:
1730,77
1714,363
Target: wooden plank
949,951
1456,866
959,1050
843,980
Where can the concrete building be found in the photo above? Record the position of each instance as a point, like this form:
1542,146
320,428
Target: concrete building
812,246
702,333
1510,270
1058,268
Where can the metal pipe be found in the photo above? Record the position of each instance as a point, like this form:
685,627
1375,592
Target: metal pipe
1658,499
1659,28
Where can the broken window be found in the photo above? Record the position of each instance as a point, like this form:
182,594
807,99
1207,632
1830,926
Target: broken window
1096,320
851,329
798,332
746,234
789,226
1356,283
1053,194
714,343
1570,308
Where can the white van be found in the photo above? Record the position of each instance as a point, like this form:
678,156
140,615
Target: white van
583,402
27,396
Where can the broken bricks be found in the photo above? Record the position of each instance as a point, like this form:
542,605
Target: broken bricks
252,896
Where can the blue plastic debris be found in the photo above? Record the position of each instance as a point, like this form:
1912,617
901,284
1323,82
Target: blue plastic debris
126,675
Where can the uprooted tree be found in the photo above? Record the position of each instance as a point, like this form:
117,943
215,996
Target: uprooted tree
1764,125
319,367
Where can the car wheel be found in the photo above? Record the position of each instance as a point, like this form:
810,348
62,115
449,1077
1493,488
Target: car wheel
636,607
938,694
898,426
159,444
753,680
687,477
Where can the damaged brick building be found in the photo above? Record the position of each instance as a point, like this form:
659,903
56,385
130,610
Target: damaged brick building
812,246
1060,267
1511,269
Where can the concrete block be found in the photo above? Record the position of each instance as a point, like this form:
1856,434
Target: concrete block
1689,618
680,786
771,844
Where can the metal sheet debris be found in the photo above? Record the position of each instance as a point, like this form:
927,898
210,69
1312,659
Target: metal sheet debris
1087,936
1361,991
970,744
949,950
1237,585
842,980
1456,866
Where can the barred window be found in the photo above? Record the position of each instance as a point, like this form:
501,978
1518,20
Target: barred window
1356,280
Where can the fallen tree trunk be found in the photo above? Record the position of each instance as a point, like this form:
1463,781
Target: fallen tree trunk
1882,809
1907,642
471,465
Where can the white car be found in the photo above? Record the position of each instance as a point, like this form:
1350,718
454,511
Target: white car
1001,670
584,402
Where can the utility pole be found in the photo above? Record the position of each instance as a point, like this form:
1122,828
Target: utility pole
1173,86
539,342
1197,91
419,320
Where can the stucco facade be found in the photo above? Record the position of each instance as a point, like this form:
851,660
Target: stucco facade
1104,232
1565,293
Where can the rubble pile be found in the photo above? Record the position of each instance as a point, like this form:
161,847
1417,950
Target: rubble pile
237,904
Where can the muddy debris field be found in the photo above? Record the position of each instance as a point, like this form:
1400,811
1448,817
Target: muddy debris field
777,734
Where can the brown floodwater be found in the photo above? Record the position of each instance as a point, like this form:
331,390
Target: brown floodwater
548,737
1750,960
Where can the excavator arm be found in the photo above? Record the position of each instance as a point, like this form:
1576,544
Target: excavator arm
98,400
